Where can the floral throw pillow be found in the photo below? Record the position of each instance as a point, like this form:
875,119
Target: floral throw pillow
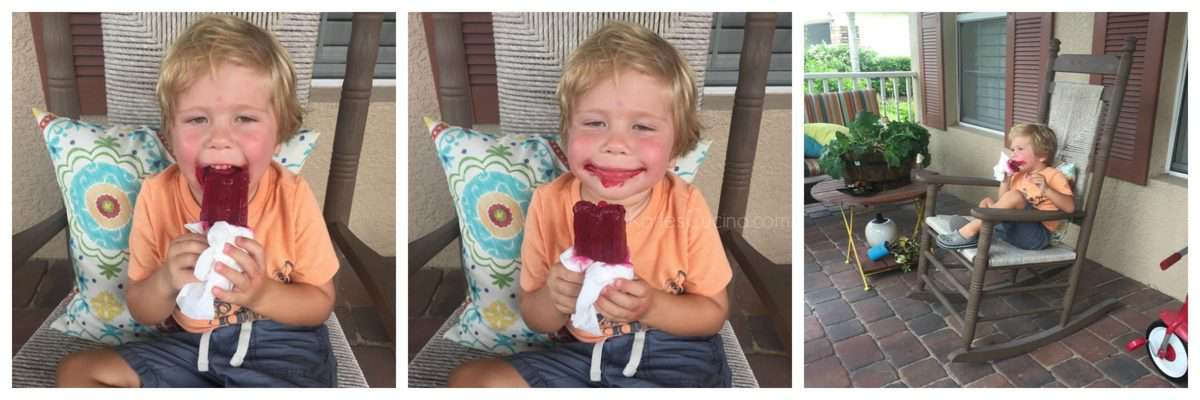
99,169
492,179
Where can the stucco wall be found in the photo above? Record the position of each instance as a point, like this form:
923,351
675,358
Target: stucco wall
1136,226
36,194
769,213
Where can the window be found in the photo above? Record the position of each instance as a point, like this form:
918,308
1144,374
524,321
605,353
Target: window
1179,150
982,41
726,45
334,42
816,33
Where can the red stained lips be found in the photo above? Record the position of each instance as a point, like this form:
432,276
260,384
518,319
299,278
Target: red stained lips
1014,165
610,177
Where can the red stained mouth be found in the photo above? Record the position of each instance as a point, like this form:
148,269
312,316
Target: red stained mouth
204,171
610,177
1015,165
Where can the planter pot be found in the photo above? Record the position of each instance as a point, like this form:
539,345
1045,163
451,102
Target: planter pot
872,170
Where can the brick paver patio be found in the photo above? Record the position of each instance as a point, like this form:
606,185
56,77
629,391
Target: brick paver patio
881,338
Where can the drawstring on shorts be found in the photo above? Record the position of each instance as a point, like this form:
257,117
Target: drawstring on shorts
635,356
239,355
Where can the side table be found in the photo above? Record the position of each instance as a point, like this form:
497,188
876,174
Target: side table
827,192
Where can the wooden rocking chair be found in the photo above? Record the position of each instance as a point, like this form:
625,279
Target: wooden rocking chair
430,367
1077,144
35,363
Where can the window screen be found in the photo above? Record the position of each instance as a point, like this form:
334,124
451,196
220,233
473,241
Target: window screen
333,43
981,49
726,46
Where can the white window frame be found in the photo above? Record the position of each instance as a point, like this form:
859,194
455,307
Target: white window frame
1175,121
959,19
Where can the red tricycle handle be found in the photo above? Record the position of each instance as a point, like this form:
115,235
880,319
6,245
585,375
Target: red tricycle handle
1172,259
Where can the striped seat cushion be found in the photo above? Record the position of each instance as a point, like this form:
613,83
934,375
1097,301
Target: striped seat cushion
812,167
432,365
839,107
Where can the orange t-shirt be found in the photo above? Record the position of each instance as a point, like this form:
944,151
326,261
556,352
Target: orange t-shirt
285,219
1055,179
673,243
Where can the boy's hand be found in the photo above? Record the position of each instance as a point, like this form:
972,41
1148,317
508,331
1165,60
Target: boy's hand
1039,180
181,259
625,300
250,284
564,286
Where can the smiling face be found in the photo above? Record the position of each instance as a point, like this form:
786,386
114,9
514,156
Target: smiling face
620,137
225,119
1023,152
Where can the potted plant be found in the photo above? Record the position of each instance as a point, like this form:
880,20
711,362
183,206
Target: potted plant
875,154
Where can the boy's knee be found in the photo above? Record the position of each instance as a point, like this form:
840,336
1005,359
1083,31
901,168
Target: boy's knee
71,369
95,368
484,373
465,375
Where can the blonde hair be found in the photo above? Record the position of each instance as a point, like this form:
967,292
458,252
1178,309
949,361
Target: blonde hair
217,39
1041,137
618,47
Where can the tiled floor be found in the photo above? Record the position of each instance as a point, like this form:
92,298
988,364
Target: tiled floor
41,284
434,293
881,338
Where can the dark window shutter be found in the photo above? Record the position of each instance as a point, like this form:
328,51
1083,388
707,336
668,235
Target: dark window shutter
1130,155
481,66
87,42
481,63
1028,40
933,113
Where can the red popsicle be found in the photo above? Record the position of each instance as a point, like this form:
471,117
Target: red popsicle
600,232
225,195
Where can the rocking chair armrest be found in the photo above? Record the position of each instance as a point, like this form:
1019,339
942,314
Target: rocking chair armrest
30,240
423,249
376,273
771,281
1001,214
933,178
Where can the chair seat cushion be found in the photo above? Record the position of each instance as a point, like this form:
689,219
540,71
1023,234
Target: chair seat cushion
1004,254
35,363
432,365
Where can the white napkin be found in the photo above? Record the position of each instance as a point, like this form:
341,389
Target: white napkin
1000,170
596,275
196,298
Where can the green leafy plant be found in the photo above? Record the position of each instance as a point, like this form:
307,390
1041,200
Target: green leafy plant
897,142
905,251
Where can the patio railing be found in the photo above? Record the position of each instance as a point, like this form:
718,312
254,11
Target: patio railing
896,91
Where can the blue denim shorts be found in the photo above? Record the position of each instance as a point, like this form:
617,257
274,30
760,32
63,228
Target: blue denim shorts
279,356
667,361
1028,235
